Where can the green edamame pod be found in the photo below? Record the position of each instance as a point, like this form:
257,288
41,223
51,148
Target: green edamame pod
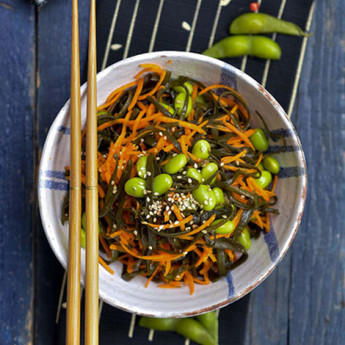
271,164
194,173
141,166
168,107
264,180
261,23
234,46
179,104
226,228
210,322
180,88
209,170
135,187
244,238
218,193
195,331
202,149
259,140
158,324
161,184
176,164
82,238
205,196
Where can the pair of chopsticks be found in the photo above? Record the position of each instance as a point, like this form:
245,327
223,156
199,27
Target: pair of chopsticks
73,271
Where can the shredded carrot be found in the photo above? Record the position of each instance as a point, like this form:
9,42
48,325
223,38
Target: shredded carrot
152,276
104,264
170,226
200,228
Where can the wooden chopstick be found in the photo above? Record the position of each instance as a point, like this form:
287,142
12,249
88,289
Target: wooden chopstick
73,270
91,276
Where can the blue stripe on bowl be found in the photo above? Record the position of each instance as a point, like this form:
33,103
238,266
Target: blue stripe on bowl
291,172
272,244
54,174
228,77
231,288
285,132
64,130
48,184
276,148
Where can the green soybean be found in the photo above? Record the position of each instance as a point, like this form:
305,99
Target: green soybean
158,324
181,89
259,140
161,184
194,173
135,187
176,164
210,322
141,166
209,170
271,164
234,46
168,107
180,101
218,193
202,149
244,238
226,228
205,196
261,23
265,179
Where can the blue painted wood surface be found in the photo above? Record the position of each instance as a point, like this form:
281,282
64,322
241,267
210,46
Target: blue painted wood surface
302,302
17,104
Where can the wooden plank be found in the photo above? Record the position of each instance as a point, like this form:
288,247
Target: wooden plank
54,47
317,294
17,101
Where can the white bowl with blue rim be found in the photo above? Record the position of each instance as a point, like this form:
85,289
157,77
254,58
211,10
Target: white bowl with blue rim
265,252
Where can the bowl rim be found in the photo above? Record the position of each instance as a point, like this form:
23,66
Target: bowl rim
249,80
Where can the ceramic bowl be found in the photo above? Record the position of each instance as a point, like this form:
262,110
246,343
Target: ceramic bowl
265,252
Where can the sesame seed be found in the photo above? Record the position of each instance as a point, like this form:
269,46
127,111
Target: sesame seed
142,140
148,199
242,196
195,165
176,222
167,208
158,158
184,172
150,247
145,191
147,217
112,183
179,177
114,226
185,253
174,154
144,152
161,227
104,156
135,188
205,202
204,221
204,232
165,137
135,232
160,134
151,213
149,173
154,220
222,164
224,216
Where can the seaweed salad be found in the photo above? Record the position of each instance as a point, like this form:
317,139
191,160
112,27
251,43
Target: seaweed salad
184,181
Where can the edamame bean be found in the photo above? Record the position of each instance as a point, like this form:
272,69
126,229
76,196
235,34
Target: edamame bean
210,322
233,46
261,23
271,164
205,196
264,180
193,173
208,170
158,324
218,193
179,104
176,164
135,187
244,238
260,167
259,140
202,149
168,107
180,88
226,228
141,166
162,183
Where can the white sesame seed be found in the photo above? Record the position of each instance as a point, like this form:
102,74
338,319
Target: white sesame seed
135,188
184,172
222,164
190,180
195,165
242,196
160,134
149,173
155,194
112,183
161,227
169,213
204,221
167,208
174,154
144,152
135,232
165,137
104,156
158,158
148,199
204,232
176,222
224,216
154,220
179,177
151,213
148,216
206,202
142,140
145,191
191,222
150,247
185,253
